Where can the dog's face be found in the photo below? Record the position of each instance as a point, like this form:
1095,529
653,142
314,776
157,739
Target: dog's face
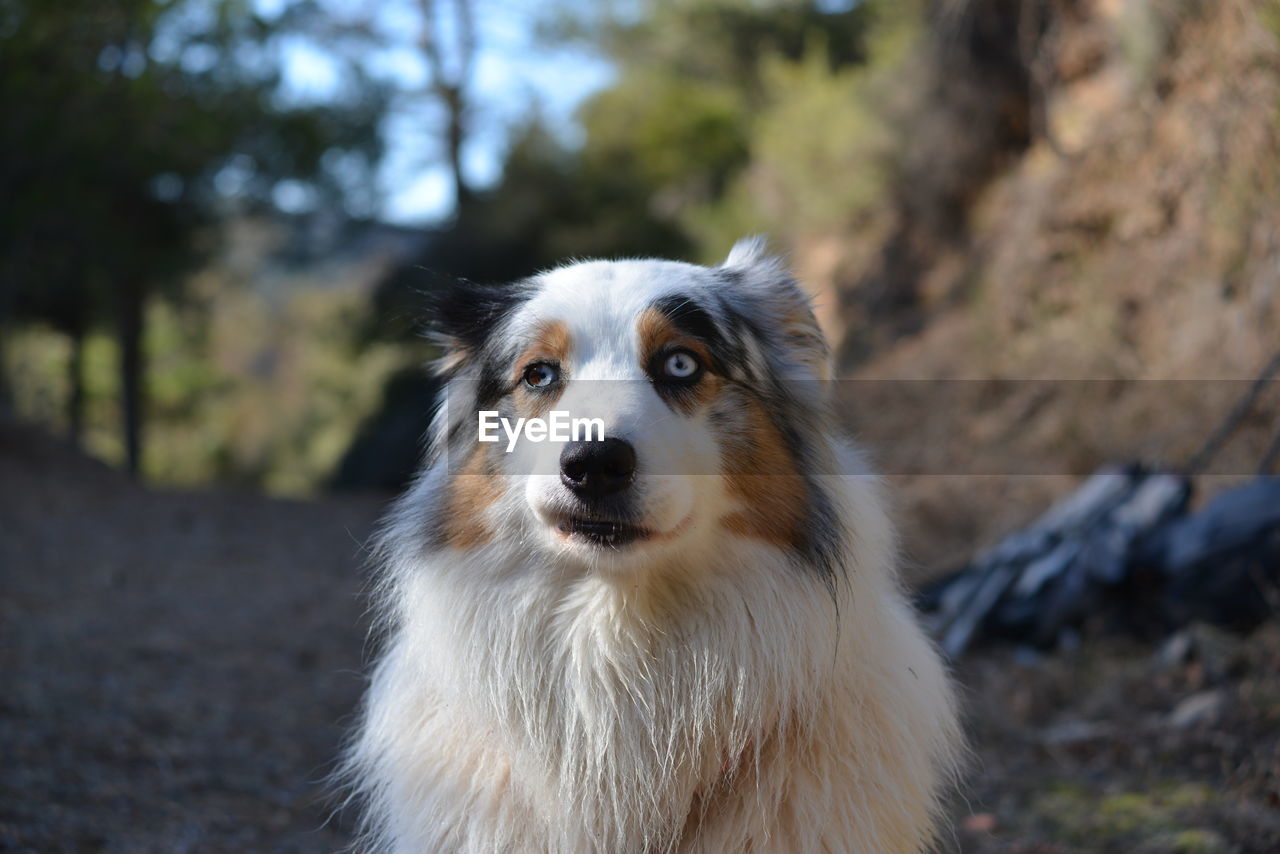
708,384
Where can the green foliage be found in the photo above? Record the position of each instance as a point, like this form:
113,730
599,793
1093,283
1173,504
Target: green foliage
242,391
770,116
138,125
670,134
36,359
128,134
727,41
109,155
725,118
1163,819
821,154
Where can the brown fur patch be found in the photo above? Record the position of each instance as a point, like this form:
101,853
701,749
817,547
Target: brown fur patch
477,485
551,343
471,491
658,334
761,472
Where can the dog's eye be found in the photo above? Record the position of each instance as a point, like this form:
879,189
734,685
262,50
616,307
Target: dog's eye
540,375
681,365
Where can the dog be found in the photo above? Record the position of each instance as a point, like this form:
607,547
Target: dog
685,636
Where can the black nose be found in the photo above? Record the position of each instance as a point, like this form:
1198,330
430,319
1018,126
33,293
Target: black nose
596,469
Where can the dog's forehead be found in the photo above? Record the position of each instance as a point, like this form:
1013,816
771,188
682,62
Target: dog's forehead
604,300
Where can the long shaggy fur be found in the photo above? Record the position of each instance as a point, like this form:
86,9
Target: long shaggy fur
739,693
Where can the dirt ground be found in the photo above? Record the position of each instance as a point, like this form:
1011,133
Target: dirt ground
1121,748
178,669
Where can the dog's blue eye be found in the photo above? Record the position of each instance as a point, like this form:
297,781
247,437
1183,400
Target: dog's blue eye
681,365
540,375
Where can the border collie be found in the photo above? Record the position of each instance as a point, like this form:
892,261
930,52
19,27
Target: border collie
686,636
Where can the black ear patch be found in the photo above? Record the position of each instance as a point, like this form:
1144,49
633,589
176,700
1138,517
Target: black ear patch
466,313
690,318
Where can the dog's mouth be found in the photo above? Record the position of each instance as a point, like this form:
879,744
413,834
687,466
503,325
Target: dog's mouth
598,531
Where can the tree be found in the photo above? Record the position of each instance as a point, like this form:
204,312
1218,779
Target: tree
682,122
120,123
449,79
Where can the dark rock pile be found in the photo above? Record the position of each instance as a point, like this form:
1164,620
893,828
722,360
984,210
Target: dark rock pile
1126,551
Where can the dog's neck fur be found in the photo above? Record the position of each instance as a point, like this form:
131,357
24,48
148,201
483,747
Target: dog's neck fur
523,703
629,698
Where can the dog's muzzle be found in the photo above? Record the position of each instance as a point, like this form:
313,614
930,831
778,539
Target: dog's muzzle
596,470
600,475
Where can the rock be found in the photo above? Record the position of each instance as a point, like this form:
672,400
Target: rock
1201,708
1073,732
1219,651
1175,651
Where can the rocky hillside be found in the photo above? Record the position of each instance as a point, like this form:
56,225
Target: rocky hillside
1134,241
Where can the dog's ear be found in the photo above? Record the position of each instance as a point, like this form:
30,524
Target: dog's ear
750,252
785,309
464,316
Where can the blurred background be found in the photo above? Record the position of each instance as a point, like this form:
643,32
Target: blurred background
220,219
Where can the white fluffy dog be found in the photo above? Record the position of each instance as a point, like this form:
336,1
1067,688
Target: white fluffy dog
687,636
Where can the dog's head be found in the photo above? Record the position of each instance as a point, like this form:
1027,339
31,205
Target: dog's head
708,384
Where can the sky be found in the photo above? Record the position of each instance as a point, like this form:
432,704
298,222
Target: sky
513,73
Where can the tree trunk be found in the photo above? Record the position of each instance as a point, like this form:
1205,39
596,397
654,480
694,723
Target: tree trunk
6,395
7,289
129,329
75,387
449,82
457,132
